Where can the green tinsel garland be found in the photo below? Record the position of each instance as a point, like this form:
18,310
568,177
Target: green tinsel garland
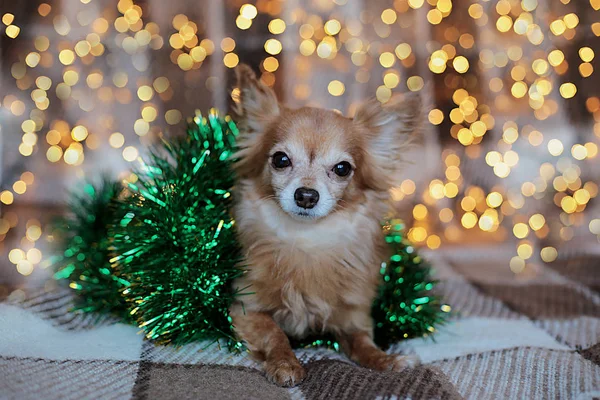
174,251
175,241
84,263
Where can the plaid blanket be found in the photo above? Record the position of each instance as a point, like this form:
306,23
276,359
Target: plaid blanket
535,335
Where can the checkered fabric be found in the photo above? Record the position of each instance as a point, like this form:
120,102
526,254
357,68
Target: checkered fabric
531,336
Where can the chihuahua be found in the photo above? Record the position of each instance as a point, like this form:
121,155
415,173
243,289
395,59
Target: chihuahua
311,194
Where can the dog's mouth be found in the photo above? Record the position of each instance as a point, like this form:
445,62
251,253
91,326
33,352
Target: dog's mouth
304,215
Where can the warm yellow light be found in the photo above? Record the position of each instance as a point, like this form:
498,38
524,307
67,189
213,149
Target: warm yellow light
436,189
520,230
415,83
525,251
79,133
387,59
461,64
586,69
579,152
273,46
19,187
494,199
34,256
468,203
434,16
434,242
510,135
436,116
450,190
130,153
594,226
571,20
420,212
492,158
33,233
555,147
556,57
558,27
66,57
242,22
308,47
231,60
336,88
389,16
173,117
586,54
54,154
277,26
592,149
511,158
8,18
469,220
116,140
408,186
416,3
185,61
452,173
391,79
581,196
465,136
249,11
403,51
519,89
6,197
537,221
332,27
517,265
568,90
568,204
270,64
446,215
418,234
549,254
12,31
504,23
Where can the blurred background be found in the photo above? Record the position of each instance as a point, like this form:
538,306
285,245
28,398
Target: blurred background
510,160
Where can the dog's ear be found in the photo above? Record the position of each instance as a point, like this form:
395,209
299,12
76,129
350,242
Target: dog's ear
389,130
257,107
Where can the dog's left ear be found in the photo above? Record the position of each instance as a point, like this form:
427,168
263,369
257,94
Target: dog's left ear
389,129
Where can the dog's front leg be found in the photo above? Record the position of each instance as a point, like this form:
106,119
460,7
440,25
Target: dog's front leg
268,343
360,348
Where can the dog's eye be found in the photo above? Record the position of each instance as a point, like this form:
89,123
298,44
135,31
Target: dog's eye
342,169
281,160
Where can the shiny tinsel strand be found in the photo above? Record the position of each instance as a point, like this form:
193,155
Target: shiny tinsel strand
406,305
175,241
83,263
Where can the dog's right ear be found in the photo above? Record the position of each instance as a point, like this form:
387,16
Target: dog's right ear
257,105
257,108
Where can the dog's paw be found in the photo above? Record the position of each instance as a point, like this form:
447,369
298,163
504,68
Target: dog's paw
404,361
287,373
393,362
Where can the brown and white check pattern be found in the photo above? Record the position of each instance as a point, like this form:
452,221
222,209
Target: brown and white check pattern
532,336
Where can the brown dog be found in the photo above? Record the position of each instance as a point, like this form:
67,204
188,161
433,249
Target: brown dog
312,192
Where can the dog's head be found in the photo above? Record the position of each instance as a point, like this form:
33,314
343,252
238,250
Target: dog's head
313,161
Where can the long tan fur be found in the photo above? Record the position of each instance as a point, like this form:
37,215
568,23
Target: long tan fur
317,273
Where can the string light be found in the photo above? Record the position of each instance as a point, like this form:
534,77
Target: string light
460,59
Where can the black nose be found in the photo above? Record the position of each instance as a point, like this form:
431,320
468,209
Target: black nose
306,198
